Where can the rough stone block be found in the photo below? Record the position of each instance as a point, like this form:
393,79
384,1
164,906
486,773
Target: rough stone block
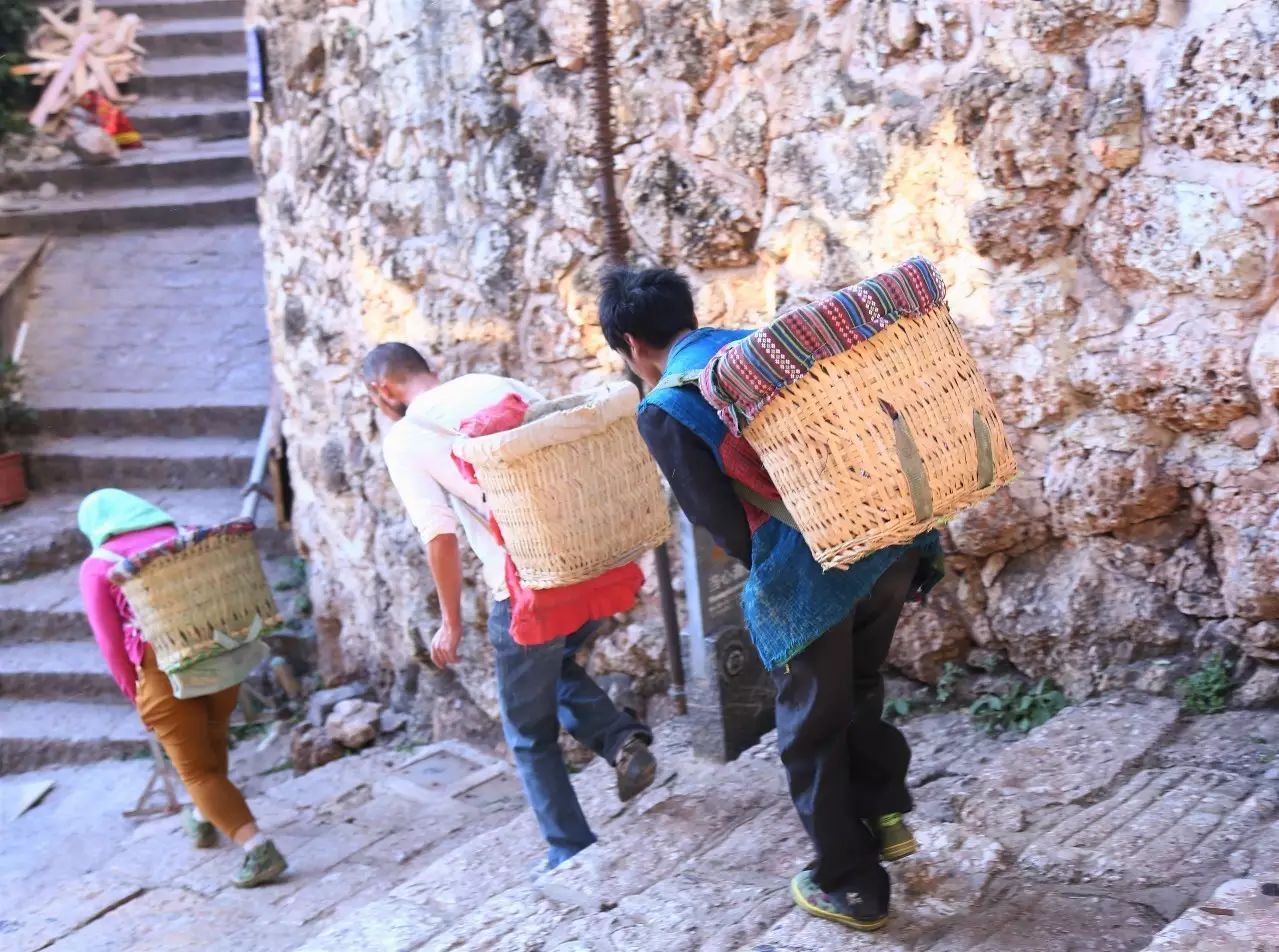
322,702
1074,756
1167,235
1239,916
354,723
1216,97
386,925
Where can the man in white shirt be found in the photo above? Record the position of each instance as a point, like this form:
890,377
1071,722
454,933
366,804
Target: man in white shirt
540,686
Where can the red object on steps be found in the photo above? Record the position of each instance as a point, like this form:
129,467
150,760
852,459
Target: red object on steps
13,480
112,119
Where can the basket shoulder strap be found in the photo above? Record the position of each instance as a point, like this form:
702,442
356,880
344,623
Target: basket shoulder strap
773,507
682,379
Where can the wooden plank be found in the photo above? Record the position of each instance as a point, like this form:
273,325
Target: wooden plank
53,92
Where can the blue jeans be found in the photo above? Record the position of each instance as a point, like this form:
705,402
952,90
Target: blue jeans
539,688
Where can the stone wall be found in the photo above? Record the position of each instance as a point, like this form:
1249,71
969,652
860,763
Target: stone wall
1098,181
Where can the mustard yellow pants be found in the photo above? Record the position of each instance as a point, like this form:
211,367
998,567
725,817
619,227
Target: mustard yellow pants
194,733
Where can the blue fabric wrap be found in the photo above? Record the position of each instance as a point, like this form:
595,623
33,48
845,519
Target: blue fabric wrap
788,601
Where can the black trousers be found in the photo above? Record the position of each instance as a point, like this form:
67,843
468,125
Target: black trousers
844,763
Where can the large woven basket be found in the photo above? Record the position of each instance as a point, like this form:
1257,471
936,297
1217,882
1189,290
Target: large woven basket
198,595
574,490
877,443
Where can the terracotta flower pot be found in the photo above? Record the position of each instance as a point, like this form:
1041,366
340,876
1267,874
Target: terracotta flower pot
13,480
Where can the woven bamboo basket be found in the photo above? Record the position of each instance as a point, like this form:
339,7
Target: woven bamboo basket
194,596
574,490
832,441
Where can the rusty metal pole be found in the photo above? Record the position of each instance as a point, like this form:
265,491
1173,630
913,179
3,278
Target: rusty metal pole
615,248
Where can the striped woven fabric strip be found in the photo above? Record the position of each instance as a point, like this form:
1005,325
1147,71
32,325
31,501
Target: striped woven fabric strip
127,568
746,375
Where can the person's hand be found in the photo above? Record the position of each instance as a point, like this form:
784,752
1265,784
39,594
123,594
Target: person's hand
444,645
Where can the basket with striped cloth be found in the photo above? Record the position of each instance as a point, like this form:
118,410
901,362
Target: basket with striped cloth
202,601
868,412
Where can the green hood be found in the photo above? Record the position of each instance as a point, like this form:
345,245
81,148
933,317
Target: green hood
107,513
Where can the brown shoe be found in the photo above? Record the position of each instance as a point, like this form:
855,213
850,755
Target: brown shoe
636,767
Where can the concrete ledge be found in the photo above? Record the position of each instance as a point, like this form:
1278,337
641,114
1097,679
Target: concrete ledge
19,258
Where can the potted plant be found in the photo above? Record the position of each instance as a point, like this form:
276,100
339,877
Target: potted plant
15,417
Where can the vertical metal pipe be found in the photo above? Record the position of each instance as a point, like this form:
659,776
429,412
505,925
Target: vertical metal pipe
615,248
615,242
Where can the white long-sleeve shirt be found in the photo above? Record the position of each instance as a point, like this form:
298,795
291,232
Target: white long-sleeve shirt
418,453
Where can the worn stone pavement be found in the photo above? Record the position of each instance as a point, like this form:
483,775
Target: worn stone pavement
1116,826
150,318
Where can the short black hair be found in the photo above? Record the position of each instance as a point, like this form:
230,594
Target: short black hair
653,305
393,361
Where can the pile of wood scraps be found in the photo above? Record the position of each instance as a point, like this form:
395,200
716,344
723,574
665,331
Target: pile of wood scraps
79,50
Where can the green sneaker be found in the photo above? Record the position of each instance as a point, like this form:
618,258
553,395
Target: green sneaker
203,834
262,864
863,913
896,841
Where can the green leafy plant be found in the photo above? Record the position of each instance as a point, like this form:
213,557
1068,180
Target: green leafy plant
1208,689
15,416
1019,708
296,578
17,19
951,675
897,707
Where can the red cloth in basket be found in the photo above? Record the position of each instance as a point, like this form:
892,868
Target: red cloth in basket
542,615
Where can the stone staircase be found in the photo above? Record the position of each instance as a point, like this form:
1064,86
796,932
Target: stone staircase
1110,829
146,360
58,703
194,168
1092,833
77,876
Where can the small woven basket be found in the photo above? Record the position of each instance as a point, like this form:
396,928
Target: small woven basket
874,445
194,596
573,489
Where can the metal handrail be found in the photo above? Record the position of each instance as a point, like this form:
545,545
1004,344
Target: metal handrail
269,436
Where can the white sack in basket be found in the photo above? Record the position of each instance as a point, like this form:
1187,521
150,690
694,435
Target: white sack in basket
574,490
550,422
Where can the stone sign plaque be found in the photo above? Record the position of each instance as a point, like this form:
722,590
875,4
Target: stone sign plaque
730,695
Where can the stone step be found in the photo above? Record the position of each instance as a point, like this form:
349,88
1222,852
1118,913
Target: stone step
85,463
179,9
701,860
481,895
44,609
40,536
161,163
115,414
1242,914
37,733
193,36
204,205
55,670
206,119
220,77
